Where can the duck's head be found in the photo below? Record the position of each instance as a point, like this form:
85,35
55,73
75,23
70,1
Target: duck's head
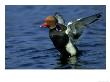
50,22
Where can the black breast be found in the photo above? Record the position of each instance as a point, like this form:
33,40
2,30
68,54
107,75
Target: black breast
59,39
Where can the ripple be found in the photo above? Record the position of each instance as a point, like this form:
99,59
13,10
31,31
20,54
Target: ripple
8,46
25,49
26,65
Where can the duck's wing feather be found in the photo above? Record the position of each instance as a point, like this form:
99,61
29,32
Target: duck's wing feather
75,28
59,18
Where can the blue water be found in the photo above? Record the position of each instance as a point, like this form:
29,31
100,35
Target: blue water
28,46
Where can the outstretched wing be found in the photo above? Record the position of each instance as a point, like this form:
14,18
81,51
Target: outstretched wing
59,18
75,28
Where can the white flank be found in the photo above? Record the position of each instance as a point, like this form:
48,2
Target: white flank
71,49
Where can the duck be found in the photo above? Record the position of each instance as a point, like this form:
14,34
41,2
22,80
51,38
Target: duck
65,37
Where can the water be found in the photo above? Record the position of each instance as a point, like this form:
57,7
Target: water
28,46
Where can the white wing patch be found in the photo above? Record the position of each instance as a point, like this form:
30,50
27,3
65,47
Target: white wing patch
68,28
69,23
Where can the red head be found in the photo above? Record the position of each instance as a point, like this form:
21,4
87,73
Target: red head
49,22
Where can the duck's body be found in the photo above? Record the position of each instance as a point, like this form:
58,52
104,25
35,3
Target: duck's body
61,41
64,37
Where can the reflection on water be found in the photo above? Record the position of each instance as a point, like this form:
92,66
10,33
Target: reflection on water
67,63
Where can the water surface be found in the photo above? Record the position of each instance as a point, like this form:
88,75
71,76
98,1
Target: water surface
28,46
